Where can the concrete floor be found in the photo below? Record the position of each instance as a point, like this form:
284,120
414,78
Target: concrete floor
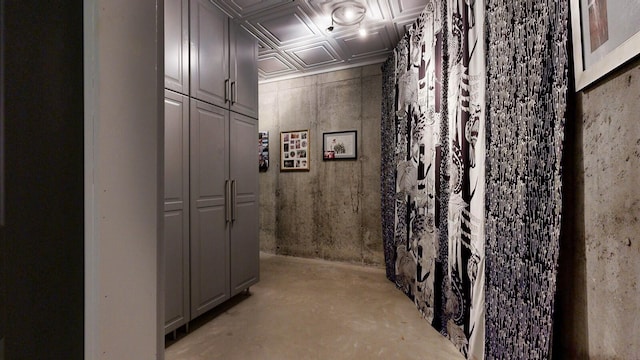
313,309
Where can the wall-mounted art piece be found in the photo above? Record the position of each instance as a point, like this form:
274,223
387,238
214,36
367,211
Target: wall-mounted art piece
606,34
294,150
340,145
263,151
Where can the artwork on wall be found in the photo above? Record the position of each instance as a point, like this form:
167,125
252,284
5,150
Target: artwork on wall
606,34
340,145
294,150
263,151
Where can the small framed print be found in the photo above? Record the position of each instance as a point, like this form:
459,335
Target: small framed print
263,151
294,150
340,145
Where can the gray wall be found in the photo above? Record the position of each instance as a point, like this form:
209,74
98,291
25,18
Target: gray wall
333,210
124,63
599,270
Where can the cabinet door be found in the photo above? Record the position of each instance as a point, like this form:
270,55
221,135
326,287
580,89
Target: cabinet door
176,209
176,45
209,226
245,246
244,72
209,53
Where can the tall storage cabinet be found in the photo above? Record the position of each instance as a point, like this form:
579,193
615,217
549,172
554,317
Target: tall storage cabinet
176,209
244,220
209,206
211,161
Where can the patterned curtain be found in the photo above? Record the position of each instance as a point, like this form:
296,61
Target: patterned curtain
466,107
433,213
387,169
526,100
445,173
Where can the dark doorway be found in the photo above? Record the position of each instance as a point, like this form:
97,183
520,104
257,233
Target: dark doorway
42,240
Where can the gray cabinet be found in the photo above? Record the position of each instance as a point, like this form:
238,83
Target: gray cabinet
176,45
176,210
211,162
209,53
243,72
224,60
224,205
209,208
243,173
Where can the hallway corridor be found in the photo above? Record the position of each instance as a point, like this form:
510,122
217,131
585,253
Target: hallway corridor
313,309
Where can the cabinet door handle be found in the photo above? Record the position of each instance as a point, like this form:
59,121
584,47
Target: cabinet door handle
227,200
228,86
234,196
234,92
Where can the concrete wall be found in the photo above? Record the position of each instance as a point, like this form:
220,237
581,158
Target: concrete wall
124,68
332,211
599,274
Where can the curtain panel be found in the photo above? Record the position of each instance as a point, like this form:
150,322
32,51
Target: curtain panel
474,102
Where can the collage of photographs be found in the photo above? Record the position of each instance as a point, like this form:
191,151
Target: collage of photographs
294,150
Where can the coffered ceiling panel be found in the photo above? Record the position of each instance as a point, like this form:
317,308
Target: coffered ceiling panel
406,7
294,40
244,8
274,65
376,43
286,27
315,55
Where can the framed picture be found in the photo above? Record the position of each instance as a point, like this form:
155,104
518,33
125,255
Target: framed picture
294,150
606,34
340,145
263,151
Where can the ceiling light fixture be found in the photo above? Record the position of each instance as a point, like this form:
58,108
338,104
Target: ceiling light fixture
362,31
348,14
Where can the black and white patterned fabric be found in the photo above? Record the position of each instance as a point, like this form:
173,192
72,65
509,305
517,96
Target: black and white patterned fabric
433,229
526,104
387,169
471,171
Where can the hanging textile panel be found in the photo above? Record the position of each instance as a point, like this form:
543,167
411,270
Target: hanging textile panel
526,104
464,288
387,165
476,155
417,162
433,229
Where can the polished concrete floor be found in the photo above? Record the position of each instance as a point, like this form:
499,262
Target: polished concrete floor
313,309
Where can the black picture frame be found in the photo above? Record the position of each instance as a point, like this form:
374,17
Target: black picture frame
340,145
295,147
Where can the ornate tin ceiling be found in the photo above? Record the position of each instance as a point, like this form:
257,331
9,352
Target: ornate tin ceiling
293,38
